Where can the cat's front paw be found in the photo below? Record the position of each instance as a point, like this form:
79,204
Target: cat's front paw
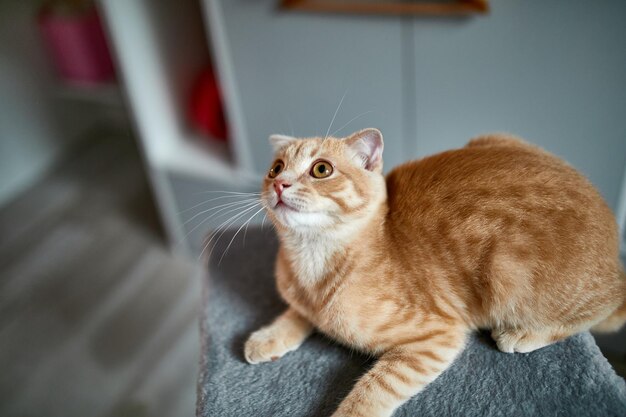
264,345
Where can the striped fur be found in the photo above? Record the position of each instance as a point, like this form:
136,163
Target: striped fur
499,234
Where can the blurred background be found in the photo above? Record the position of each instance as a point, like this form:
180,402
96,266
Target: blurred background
130,130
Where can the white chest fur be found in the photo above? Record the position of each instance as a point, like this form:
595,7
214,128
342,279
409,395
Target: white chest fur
311,256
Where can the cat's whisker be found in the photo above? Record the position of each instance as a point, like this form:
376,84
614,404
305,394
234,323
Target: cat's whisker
242,195
335,115
245,231
210,237
350,121
229,204
228,192
237,232
226,210
223,227
262,223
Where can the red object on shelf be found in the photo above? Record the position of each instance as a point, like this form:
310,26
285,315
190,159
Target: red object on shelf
206,111
77,45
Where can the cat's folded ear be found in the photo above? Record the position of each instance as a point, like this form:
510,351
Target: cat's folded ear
367,148
280,141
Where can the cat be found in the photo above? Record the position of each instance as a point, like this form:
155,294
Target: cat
499,234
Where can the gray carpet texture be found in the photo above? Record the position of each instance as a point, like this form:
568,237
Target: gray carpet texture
570,378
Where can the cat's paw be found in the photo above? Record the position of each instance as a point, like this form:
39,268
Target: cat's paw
264,346
505,339
510,341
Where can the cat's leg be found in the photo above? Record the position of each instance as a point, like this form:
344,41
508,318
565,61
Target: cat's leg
524,341
285,334
400,373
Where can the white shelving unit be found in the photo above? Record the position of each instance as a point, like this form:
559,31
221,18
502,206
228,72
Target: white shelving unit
160,47
216,33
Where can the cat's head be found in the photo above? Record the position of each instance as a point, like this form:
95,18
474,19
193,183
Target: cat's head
319,184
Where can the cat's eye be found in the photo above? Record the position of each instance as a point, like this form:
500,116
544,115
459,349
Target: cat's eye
321,169
276,169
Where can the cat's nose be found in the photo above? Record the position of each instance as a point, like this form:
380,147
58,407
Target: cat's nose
279,185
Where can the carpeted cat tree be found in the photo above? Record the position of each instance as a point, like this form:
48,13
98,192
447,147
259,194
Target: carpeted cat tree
570,378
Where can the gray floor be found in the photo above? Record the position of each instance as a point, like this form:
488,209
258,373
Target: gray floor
96,317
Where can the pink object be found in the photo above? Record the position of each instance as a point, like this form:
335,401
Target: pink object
77,45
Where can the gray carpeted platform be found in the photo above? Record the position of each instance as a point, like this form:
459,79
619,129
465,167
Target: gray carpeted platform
571,378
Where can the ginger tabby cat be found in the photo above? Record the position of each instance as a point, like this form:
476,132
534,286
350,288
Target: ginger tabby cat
499,235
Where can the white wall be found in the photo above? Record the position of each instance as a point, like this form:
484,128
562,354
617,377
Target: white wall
292,70
553,72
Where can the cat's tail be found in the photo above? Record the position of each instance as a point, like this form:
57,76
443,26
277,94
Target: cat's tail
617,319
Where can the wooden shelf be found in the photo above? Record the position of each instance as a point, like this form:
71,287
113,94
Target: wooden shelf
202,159
390,7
